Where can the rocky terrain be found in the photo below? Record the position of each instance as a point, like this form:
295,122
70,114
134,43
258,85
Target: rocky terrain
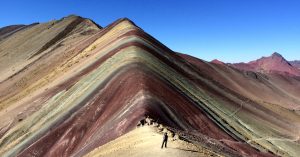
69,87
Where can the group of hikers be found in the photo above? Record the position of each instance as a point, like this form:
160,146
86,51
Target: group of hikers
149,121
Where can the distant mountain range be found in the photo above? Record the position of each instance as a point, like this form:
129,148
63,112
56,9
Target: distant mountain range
295,63
274,64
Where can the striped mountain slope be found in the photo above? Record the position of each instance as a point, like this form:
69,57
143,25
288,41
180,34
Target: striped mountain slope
70,86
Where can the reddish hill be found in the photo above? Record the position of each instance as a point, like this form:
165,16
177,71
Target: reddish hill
272,64
216,61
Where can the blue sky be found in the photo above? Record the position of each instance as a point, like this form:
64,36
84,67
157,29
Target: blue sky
228,30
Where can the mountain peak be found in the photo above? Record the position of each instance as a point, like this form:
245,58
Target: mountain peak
216,61
276,54
127,21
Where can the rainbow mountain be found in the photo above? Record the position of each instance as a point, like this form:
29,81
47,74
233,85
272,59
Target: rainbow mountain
69,86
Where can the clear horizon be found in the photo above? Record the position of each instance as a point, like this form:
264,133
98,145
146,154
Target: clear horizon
227,30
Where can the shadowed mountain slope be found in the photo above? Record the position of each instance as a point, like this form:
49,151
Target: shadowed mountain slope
83,86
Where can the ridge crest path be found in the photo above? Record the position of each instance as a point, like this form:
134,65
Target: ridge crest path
146,141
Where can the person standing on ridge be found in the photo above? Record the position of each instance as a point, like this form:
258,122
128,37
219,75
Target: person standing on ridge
165,140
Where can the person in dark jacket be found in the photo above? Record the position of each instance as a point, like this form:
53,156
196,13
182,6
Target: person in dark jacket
165,140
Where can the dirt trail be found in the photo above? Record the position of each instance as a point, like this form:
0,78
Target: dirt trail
146,141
